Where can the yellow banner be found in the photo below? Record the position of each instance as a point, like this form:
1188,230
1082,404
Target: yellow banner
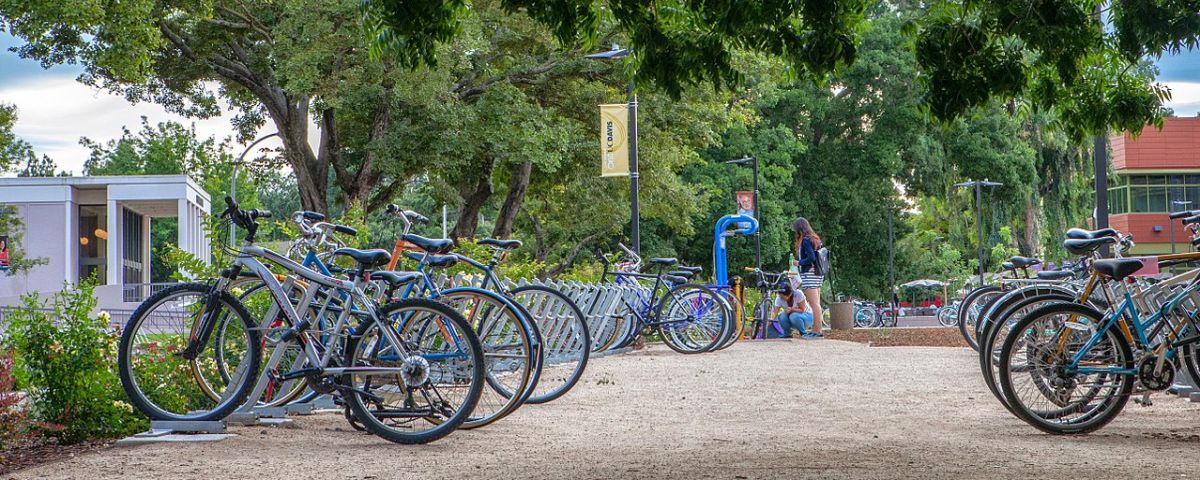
614,140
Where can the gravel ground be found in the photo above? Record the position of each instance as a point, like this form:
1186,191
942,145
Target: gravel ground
776,409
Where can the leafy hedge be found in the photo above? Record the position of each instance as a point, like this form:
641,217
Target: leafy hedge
65,360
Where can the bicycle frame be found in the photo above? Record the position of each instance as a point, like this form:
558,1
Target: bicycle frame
1130,322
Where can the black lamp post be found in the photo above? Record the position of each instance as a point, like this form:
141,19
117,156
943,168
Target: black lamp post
978,186
753,162
635,214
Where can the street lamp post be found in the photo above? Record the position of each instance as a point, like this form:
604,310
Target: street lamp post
978,186
1180,203
753,162
635,228
233,181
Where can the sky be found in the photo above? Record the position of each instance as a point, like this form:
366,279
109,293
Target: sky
55,110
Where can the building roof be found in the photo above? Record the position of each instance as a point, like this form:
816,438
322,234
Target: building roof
122,188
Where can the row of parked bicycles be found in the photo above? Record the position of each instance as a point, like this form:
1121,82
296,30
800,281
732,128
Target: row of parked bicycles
1064,350
408,356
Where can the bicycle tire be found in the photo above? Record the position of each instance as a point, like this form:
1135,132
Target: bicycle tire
143,402
1090,421
495,330
441,428
705,339
555,334
966,323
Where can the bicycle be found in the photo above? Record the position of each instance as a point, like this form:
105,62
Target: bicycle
411,370
689,318
511,340
566,342
1060,349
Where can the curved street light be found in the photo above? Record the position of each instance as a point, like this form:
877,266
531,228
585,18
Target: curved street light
233,182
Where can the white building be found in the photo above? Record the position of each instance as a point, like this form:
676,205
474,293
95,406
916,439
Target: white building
100,225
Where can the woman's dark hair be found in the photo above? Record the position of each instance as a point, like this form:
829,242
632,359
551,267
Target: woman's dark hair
804,230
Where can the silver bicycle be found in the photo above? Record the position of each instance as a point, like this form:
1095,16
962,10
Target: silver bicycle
411,370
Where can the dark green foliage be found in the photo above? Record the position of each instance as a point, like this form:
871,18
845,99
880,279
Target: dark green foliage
66,358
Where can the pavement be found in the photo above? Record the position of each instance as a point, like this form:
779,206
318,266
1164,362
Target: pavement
779,409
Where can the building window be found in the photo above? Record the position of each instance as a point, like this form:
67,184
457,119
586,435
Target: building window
93,243
1153,193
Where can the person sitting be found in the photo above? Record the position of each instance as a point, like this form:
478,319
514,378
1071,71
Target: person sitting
792,311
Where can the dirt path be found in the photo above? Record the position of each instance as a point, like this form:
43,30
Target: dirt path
818,409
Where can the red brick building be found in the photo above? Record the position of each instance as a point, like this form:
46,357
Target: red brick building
1156,173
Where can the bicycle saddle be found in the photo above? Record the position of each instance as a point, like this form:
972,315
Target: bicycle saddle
1117,268
1087,246
501,244
1081,234
433,260
395,279
692,270
366,258
679,272
1055,275
664,261
440,245
676,279
1022,262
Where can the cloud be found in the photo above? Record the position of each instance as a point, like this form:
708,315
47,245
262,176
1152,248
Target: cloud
55,111
1185,98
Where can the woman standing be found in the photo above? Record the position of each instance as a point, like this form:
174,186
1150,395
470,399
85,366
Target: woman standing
807,242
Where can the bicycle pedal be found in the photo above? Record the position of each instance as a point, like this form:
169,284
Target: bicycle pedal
1144,400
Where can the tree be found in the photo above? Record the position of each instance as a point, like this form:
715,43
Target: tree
13,150
39,167
1048,54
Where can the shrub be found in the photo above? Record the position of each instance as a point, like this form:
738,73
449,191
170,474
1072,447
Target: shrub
66,359
14,422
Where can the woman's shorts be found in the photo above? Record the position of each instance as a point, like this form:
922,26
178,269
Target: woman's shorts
809,281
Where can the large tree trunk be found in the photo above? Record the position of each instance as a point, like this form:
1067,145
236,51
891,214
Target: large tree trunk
473,200
518,183
312,173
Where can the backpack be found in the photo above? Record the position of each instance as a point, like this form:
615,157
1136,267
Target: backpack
821,267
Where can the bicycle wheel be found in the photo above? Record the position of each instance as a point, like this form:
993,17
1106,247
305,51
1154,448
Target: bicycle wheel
511,350
257,299
692,319
1037,376
565,340
736,311
163,379
948,316
441,381
970,309
997,331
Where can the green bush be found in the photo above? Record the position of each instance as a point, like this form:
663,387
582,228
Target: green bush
66,361
14,421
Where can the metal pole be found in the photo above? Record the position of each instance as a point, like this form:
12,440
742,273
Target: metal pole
636,216
892,268
1100,163
444,235
757,214
979,222
233,184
